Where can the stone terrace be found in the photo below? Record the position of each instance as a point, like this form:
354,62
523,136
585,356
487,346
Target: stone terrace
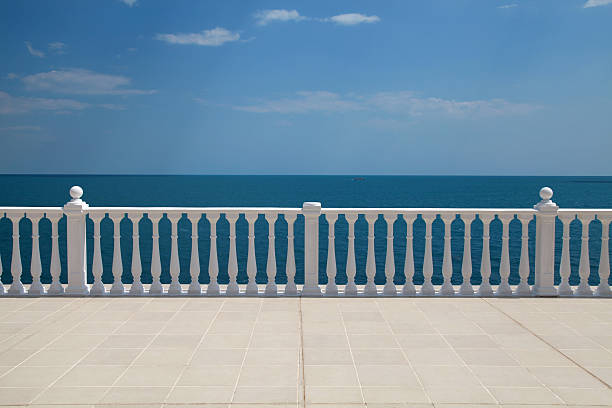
301,352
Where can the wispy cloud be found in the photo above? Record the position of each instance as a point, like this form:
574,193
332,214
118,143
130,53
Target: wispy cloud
398,102
211,38
81,82
34,51
351,19
12,75
508,6
57,47
129,3
15,104
596,3
21,128
265,17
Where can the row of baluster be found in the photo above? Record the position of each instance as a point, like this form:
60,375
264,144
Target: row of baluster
389,288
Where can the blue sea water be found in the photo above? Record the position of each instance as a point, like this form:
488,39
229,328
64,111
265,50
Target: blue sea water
292,191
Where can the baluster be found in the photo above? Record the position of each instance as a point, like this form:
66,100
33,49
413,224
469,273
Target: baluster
351,266
504,288
194,265
271,289
175,268
251,288
232,266
117,288
56,287
565,268
213,261
290,288
466,288
331,289
409,289
156,287
16,287
98,287
427,289
137,288
370,287
447,260
36,288
389,288
604,261
523,288
485,266
585,266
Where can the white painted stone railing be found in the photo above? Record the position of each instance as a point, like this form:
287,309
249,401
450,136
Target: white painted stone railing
76,211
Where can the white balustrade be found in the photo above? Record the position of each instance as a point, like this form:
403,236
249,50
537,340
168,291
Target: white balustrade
545,213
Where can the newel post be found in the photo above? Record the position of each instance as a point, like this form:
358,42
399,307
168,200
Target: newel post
311,212
75,211
546,213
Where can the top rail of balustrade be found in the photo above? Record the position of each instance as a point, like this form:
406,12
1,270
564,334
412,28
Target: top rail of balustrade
601,212
441,211
23,210
209,210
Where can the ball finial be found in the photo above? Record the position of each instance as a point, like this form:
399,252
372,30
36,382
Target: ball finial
76,192
546,193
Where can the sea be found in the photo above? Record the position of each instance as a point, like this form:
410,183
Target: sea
292,191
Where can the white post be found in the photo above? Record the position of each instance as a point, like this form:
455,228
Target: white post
447,261
331,289
75,211
427,289
290,288
523,288
370,286
36,287
546,212
389,288
351,264
311,212
175,268
16,287
466,288
504,288
271,265
156,287
213,262
194,265
117,288
56,287
98,287
409,289
136,288
252,288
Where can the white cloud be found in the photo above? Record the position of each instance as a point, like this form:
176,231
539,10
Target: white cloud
57,47
264,17
33,51
81,82
507,6
397,102
129,3
352,19
15,104
26,128
211,38
596,3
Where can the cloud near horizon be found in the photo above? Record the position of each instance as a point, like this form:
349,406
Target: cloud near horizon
352,19
210,38
81,82
265,17
17,104
34,51
596,3
400,102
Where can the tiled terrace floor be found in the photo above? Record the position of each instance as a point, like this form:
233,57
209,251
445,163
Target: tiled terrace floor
292,352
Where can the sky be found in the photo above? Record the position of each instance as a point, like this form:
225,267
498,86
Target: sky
427,87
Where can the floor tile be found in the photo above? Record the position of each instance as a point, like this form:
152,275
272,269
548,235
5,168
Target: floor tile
150,376
91,375
333,395
387,375
135,395
71,395
524,395
209,376
200,395
31,376
263,395
330,375
268,376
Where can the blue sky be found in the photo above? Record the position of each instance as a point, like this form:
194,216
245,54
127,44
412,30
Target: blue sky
509,87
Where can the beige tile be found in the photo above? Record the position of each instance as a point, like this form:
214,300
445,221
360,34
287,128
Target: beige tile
446,376
77,341
524,395
31,377
110,357
266,395
505,376
274,341
330,375
317,356
371,341
488,357
127,341
268,376
520,341
603,373
176,341
333,395
211,356
140,328
379,357
220,341
590,357
420,341
462,395
55,358
18,396
480,341
272,357
586,396
325,341
565,377
570,342
432,357
209,376
365,327
387,375
160,356
71,395
91,375
150,376
135,395
541,357
394,395
15,357
200,395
